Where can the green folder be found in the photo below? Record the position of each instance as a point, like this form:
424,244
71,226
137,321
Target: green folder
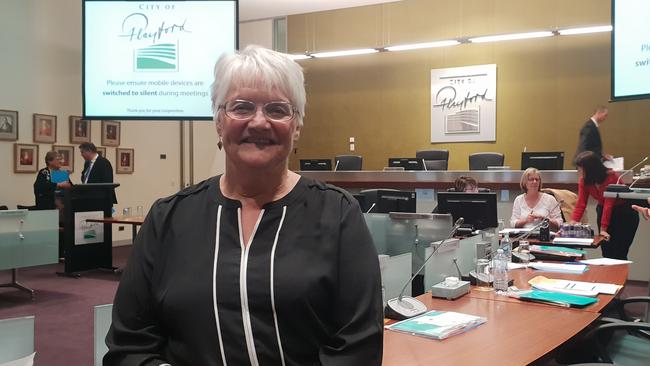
554,248
555,298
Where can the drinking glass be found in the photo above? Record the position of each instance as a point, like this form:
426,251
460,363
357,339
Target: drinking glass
524,250
126,211
139,211
483,275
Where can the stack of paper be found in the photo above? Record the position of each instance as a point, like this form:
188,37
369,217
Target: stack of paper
583,242
591,289
605,261
438,324
559,267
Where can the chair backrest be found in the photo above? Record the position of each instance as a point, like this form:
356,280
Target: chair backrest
16,338
480,161
435,164
348,162
24,207
434,159
4,207
103,318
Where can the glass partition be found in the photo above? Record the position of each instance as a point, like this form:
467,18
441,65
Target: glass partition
28,238
102,323
16,338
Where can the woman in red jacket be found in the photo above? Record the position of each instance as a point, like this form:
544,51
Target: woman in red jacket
617,221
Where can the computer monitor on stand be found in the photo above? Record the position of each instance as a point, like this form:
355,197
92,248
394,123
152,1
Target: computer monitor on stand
551,160
478,209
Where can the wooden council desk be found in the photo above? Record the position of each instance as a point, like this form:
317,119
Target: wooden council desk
493,179
609,274
134,221
516,333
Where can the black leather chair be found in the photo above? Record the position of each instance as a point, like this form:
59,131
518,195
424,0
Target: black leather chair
482,160
4,207
434,159
348,162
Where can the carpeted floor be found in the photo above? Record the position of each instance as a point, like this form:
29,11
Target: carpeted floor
63,308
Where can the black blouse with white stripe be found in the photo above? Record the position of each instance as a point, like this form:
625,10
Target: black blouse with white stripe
306,291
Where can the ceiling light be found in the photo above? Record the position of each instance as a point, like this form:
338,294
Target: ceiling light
508,37
299,57
585,30
416,46
362,51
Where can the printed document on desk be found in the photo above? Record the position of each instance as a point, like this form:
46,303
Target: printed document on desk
590,289
438,324
586,242
559,267
605,261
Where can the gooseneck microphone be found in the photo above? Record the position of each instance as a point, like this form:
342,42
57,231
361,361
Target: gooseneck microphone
371,207
622,187
404,307
337,164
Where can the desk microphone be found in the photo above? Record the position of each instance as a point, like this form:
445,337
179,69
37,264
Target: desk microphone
424,165
371,207
622,187
404,307
337,164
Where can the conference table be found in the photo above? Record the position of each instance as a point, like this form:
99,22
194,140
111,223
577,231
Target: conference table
134,221
616,274
516,332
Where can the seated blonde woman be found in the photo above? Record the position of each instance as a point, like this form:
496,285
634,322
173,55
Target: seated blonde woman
532,206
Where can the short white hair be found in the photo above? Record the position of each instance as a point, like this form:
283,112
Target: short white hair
258,67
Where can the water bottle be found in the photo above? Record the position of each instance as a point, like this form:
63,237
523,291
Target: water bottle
500,271
506,245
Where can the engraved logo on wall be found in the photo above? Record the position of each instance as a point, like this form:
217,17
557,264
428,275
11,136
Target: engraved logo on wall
463,104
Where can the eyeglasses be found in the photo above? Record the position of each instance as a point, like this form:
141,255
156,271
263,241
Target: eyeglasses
241,110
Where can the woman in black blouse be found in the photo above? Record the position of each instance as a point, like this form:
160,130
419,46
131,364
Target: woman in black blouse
44,187
258,266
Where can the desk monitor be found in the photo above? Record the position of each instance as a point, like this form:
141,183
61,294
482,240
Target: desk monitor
478,209
406,163
315,164
551,160
386,201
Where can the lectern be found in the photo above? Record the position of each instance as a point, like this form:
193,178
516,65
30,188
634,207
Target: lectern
88,245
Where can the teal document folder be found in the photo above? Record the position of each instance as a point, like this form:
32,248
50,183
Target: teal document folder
59,176
438,324
555,298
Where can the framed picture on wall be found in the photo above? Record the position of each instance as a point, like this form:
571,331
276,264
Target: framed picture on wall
111,133
125,159
44,128
101,151
79,130
25,158
8,125
67,156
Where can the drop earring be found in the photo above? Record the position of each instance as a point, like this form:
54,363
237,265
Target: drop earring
220,143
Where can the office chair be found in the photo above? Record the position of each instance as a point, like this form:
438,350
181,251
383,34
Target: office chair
434,159
23,207
482,160
620,342
348,162
4,207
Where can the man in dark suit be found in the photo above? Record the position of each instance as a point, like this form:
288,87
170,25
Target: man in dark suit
97,169
590,134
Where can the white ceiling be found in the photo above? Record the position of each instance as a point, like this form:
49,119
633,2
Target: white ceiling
265,9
